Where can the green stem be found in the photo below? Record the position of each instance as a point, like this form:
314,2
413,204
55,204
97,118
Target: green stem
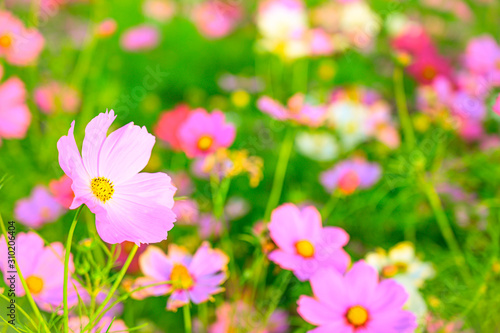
115,286
404,116
66,267
445,228
330,206
23,282
187,319
279,174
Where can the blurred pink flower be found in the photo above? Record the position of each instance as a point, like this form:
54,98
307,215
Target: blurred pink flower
428,65
209,226
140,38
304,245
183,182
482,55
40,208
297,109
215,18
169,123
241,316
19,46
192,278
160,10
15,117
106,324
106,28
42,268
129,206
356,302
203,133
320,42
496,106
62,192
186,211
349,175
54,96
125,249
414,40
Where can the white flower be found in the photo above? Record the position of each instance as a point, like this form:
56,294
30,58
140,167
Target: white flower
318,146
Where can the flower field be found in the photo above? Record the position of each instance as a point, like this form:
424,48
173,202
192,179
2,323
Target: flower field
266,166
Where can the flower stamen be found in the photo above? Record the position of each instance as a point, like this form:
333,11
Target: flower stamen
102,188
357,316
305,248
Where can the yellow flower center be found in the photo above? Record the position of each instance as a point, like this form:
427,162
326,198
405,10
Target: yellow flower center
205,142
102,188
180,277
35,284
304,248
392,270
5,41
429,72
357,316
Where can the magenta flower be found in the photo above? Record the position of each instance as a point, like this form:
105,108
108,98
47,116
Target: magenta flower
40,208
57,96
129,206
191,278
482,55
15,117
496,106
203,133
216,19
304,245
140,38
297,110
356,303
19,46
42,268
349,175
61,190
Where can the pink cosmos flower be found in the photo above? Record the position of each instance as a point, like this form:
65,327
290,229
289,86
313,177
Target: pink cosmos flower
19,46
140,38
349,175
129,206
15,117
54,96
61,190
496,106
192,278
42,268
203,133
125,249
183,182
426,66
40,208
482,55
167,128
106,28
356,302
320,42
216,19
209,226
304,245
186,211
297,109
241,316
414,40
160,10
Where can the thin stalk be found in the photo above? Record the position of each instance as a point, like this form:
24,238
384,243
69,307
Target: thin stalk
187,319
445,228
279,174
328,208
404,116
116,284
66,267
